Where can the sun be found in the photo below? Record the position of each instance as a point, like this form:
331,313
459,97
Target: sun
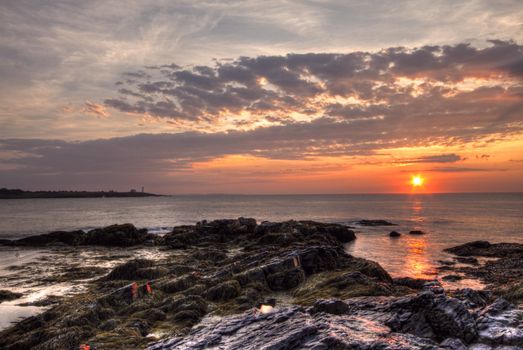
417,181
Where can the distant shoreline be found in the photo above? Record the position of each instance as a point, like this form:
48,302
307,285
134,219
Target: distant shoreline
20,194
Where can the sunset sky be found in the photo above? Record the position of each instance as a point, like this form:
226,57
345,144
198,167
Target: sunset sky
261,96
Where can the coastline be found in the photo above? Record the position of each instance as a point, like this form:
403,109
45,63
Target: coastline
230,270
219,269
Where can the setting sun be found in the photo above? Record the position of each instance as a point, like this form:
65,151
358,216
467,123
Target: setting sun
417,181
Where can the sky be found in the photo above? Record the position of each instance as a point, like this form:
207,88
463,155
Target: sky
262,96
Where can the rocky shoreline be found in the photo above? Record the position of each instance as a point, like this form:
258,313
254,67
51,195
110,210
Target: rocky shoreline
290,285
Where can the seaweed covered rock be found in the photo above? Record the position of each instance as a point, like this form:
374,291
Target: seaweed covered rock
124,235
136,269
286,280
224,291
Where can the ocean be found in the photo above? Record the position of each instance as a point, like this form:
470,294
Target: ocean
447,219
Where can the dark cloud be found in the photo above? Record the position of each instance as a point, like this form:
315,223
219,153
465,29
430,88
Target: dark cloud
440,158
400,86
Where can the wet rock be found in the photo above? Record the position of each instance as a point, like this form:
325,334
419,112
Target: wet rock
178,284
293,328
471,248
467,260
132,270
413,283
416,232
109,325
279,239
254,275
125,235
151,315
224,291
453,344
374,223
394,234
473,298
501,323
186,309
424,315
8,295
63,237
452,278
333,307
433,287
286,280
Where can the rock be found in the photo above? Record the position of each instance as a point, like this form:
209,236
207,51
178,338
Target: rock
501,323
115,235
293,328
413,283
224,291
186,309
125,235
473,298
6,295
132,270
286,280
151,315
109,325
333,307
178,284
63,237
453,344
416,232
467,249
452,278
374,223
484,248
426,315
394,234
467,260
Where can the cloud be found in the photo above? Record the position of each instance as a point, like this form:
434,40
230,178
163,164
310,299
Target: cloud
440,158
430,85
96,109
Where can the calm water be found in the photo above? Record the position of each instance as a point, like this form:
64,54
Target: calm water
449,219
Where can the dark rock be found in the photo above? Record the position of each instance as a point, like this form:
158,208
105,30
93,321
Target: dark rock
8,295
374,223
151,315
501,323
132,270
286,280
334,307
394,234
453,344
292,328
452,278
413,283
224,291
416,232
116,235
109,325
125,235
178,284
467,249
467,260
64,237
473,298
188,309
